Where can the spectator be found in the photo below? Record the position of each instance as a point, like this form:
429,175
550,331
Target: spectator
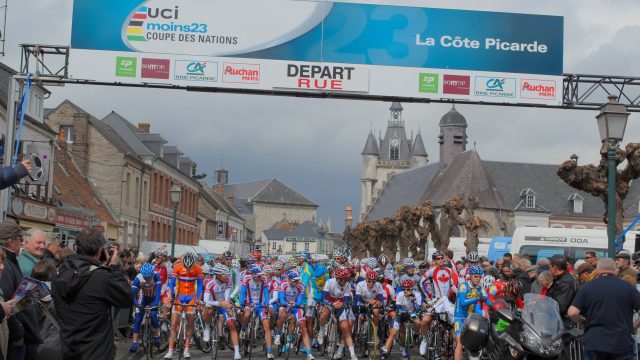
448,259
625,271
519,274
545,279
608,324
51,248
585,273
498,264
505,271
83,294
591,257
507,257
32,251
51,348
11,175
532,272
63,254
6,308
564,285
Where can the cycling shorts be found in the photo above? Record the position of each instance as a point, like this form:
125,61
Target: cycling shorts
261,312
226,315
185,300
457,324
400,319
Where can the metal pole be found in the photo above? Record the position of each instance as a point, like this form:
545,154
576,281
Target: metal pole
173,231
611,201
14,85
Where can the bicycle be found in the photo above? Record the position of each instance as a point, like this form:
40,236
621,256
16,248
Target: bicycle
254,333
180,341
198,332
291,339
333,333
367,334
146,331
217,338
409,338
439,337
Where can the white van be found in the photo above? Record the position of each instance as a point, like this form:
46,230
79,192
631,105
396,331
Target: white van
539,242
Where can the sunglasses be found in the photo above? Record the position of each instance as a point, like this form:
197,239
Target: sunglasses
588,257
341,280
439,258
409,289
371,281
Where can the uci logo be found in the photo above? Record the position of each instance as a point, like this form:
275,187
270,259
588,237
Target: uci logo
196,68
163,13
495,84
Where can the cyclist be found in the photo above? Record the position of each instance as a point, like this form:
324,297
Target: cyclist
274,287
408,303
337,293
369,293
339,257
312,294
472,259
217,294
468,295
291,299
208,260
445,280
149,286
186,289
410,271
254,296
161,269
255,258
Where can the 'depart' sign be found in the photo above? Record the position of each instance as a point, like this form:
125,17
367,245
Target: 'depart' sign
326,46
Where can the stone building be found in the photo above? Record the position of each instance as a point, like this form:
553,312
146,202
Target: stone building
511,194
289,237
220,226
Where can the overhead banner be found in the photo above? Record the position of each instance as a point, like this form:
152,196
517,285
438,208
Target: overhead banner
320,46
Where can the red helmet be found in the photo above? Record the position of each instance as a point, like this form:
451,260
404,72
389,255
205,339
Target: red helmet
408,284
513,288
343,273
351,268
372,275
256,255
498,304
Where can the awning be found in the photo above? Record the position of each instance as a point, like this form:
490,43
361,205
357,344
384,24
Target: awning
33,224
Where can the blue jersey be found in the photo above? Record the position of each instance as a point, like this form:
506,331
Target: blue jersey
309,281
149,290
468,295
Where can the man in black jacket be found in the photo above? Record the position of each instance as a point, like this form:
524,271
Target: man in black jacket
24,331
83,294
564,286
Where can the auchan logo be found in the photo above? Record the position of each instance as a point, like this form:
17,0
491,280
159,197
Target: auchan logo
538,89
241,73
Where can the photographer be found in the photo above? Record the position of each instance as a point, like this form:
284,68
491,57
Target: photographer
83,294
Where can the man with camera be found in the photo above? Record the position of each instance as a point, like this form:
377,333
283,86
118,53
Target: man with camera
84,292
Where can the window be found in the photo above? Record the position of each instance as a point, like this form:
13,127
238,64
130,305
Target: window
145,195
531,201
576,201
306,246
137,190
273,245
68,132
128,189
294,246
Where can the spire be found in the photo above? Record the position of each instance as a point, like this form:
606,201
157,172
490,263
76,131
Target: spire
453,118
371,146
396,115
418,146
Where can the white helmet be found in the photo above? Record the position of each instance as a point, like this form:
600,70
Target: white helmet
220,269
408,262
487,281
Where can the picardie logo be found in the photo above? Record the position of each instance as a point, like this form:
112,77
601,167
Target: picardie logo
241,73
495,87
195,70
495,84
538,89
456,84
155,68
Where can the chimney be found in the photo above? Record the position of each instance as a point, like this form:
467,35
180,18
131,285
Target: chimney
80,144
144,127
219,188
230,198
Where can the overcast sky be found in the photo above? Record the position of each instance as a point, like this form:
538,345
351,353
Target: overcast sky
314,145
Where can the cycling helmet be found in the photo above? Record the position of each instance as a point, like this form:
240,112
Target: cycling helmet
278,265
473,256
400,269
408,262
408,283
436,254
513,287
355,262
351,268
389,267
382,259
206,269
255,269
304,254
268,269
343,273
487,281
227,255
337,253
220,269
208,258
235,263
293,275
162,252
256,255
372,275
146,270
188,260
424,265
476,270
370,262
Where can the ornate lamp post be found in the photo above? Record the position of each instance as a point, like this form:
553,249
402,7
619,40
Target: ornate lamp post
175,193
612,121
348,220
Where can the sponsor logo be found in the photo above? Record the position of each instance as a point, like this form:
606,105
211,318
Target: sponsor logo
326,78
495,87
155,68
456,84
241,73
191,70
428,83
538,89
126,66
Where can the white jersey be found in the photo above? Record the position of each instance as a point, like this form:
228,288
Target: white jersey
389,294
444,280
216,291
335,291
291,292
255,290
367,293
410,303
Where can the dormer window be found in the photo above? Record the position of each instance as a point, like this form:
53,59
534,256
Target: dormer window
66,133
394,149
576,201
529,198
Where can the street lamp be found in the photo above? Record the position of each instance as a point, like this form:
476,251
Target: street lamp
612,121
348,220
175,193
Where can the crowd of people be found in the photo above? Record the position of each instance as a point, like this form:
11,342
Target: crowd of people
87,284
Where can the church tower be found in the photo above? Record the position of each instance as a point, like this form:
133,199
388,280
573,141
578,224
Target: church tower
453,136
368,177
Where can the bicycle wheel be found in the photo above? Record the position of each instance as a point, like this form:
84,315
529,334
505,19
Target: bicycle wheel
331,343
283,339
372,340
214,338
198,334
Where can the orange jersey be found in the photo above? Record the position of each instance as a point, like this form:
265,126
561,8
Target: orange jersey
185,281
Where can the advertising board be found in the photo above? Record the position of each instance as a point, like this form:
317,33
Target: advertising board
377,49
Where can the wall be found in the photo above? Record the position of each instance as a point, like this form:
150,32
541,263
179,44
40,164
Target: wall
269,214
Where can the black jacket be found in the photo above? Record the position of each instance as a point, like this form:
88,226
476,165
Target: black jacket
25,323
563,290
524,280
83,294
